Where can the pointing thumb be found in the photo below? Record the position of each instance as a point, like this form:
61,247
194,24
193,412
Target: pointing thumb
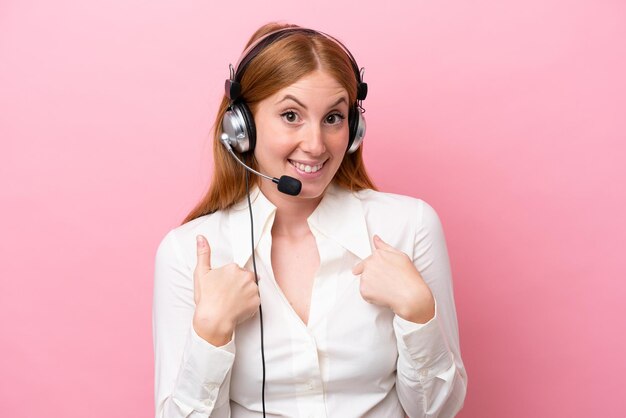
380,244
204,253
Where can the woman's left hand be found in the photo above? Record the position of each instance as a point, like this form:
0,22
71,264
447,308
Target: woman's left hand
389,278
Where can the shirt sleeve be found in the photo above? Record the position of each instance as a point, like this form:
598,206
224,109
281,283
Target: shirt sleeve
431,379
192,377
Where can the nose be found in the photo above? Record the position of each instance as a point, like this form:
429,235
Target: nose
313,141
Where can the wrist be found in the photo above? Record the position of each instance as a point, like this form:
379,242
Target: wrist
416,309
213,329
420,316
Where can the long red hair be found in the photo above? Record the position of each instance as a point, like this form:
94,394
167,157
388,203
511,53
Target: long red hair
279,65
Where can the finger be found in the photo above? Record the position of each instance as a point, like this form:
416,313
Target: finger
382,245
358,269
204,254
363,295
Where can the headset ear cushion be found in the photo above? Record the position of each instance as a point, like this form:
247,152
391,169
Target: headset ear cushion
238,125
249,124
353,120
357,129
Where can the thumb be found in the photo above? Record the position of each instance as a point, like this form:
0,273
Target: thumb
204,253
382,245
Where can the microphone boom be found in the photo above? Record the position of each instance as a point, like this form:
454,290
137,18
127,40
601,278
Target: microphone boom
286,184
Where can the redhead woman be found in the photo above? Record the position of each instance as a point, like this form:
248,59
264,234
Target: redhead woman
317,297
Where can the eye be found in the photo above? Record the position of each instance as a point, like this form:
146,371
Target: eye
334,118
290,116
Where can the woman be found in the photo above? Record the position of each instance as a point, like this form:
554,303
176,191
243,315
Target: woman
345,307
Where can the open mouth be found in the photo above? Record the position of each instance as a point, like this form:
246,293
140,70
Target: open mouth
307,168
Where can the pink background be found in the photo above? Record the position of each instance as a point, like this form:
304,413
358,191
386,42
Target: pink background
507,117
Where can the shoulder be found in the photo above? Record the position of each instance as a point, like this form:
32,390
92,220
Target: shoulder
397,218
401,207
180,242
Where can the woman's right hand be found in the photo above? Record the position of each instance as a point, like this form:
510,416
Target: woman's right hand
224,297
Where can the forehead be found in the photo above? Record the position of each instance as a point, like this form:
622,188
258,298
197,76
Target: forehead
318,85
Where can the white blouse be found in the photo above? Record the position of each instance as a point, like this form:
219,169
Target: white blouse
352,359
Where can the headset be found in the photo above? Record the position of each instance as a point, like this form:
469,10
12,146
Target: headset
238,126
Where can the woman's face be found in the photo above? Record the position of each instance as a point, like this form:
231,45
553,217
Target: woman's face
302,132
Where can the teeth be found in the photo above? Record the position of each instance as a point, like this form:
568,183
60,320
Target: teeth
307,168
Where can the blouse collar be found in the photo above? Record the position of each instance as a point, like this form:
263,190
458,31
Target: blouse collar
339,216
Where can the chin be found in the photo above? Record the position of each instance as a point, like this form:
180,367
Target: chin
312,191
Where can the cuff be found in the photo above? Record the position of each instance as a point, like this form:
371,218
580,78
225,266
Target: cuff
424,344
202,372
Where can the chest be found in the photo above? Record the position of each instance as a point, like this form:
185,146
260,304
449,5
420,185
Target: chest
347,346
295,263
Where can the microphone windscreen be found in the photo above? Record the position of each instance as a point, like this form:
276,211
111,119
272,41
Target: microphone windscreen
289,185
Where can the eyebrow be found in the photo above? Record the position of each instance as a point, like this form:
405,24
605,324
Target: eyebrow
289,96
